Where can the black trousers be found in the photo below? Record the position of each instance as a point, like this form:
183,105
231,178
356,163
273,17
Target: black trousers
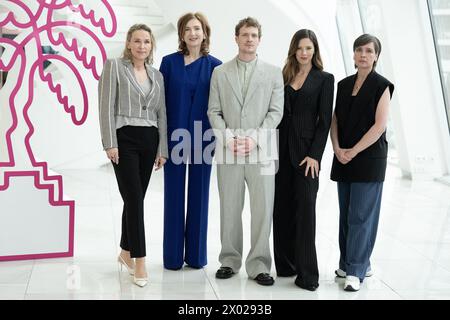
137,152
294,222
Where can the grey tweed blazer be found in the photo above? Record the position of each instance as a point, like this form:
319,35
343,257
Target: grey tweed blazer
120,94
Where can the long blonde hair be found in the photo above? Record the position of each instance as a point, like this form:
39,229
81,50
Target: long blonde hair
127,52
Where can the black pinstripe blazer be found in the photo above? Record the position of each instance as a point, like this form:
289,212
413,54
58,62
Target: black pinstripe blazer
305,125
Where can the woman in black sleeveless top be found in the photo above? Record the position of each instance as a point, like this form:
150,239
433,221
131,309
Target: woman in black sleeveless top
358,134
308,107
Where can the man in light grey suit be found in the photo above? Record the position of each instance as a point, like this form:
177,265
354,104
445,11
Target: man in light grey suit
245,107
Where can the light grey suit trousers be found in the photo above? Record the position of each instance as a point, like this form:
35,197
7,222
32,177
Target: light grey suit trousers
232,179
230,115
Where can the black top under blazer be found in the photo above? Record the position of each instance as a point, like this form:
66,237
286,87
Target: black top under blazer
355,116
306,122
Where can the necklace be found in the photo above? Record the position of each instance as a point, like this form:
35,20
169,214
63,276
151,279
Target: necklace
358,84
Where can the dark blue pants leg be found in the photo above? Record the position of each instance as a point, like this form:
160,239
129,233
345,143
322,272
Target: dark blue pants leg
362,217
197,215
174,209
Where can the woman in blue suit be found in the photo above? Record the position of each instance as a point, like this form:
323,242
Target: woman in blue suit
187,75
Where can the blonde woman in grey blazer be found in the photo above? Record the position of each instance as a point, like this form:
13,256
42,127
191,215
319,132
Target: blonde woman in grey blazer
134,136
246,102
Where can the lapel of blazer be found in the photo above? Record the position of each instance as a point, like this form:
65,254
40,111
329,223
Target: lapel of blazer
233,77
129,73
305,91
254,83
310,81
154,85
287,102
345,96
361,101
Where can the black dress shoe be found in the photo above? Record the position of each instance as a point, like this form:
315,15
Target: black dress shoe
310,287
264,279
224,273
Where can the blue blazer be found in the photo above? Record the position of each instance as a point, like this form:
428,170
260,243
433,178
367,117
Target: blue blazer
181,112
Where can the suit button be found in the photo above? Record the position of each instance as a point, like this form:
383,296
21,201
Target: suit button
144,108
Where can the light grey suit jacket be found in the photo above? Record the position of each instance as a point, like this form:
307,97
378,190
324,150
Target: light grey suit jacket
258,116
120,94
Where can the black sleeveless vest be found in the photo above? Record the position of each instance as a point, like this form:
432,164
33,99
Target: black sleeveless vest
354,119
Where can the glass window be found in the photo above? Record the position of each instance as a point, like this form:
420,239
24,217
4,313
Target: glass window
371,15
440,20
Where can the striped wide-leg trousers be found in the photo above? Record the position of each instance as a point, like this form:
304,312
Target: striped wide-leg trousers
359,205
294,223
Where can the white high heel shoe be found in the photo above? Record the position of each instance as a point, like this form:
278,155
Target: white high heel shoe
123,263
141,282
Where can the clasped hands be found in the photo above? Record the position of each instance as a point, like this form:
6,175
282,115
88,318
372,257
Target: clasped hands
113,155
344,156
241,146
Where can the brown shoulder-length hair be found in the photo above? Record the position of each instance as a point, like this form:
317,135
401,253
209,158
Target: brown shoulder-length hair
181,25
127,52
292,67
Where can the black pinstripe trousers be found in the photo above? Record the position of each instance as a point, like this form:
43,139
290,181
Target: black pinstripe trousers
294,222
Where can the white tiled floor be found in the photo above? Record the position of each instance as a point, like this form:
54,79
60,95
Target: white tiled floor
411,258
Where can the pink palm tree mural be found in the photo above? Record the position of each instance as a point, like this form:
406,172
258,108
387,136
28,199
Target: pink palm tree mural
36,221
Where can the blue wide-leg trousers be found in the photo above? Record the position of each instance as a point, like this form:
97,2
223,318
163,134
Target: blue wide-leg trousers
359,205
185,231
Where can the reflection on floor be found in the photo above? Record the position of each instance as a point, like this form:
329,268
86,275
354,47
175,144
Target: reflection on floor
411,259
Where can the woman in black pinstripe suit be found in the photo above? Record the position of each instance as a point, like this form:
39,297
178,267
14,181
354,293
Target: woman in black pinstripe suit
303,135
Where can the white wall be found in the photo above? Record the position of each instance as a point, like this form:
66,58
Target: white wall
279,20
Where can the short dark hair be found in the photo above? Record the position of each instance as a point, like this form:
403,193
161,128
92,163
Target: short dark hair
366,39
248,22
